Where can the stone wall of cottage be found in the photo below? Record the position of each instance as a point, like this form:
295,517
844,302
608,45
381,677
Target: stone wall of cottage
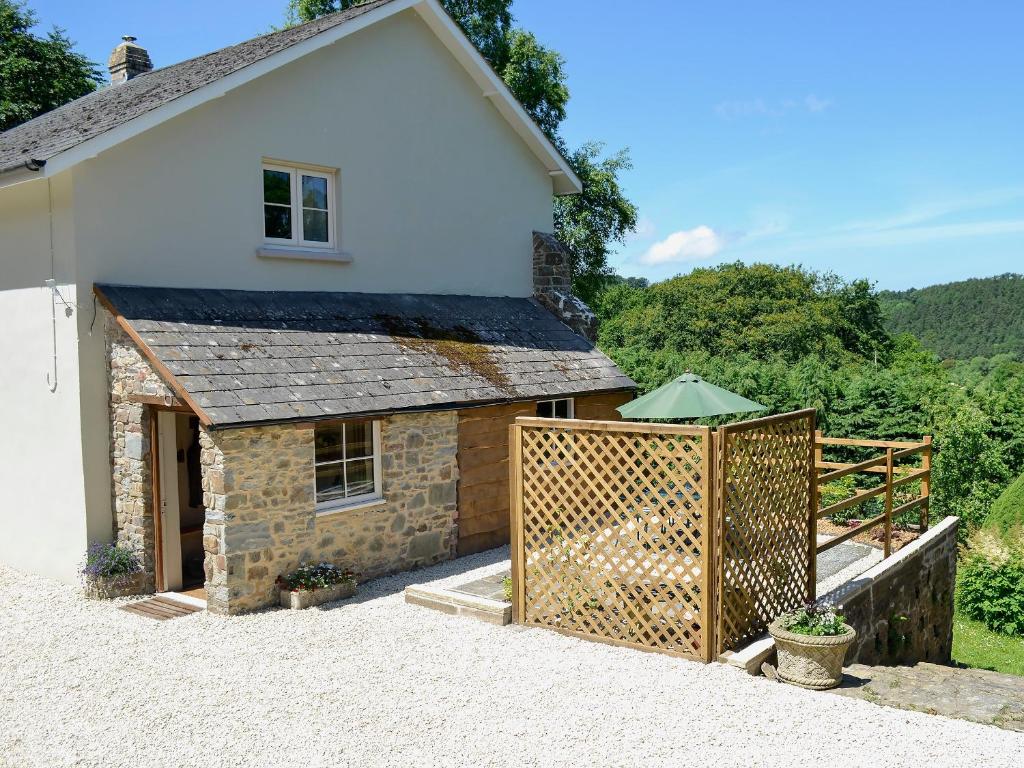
261,520
132,482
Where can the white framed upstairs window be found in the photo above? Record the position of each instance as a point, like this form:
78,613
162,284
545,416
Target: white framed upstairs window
299,206
347,464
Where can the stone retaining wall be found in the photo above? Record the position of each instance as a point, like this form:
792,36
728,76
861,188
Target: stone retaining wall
902,608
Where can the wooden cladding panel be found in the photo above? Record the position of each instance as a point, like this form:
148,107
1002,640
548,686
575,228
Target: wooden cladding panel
601,407
483,465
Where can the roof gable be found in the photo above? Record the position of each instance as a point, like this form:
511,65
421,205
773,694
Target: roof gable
94,123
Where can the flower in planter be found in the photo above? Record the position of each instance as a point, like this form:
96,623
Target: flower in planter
817,619
109,561
313,577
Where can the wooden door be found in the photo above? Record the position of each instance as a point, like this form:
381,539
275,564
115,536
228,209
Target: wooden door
168,503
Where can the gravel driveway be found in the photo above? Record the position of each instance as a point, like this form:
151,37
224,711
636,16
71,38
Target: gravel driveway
376,682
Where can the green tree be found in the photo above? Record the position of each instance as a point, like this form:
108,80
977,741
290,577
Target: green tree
37,74
589,224
969,471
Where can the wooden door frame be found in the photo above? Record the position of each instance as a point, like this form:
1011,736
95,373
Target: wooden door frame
154,475
153,412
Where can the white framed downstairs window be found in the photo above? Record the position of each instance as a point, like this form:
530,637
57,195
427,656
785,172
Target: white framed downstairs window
563,408
299,206
347,464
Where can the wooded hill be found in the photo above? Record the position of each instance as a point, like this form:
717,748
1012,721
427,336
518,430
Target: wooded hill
978,317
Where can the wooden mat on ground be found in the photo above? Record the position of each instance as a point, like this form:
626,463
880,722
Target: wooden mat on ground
161,608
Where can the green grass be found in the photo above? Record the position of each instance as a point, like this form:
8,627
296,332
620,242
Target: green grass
974,645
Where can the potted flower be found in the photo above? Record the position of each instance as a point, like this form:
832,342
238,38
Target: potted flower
310,585
811,645
111,571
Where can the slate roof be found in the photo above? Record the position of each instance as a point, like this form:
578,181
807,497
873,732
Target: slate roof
246,357
106,108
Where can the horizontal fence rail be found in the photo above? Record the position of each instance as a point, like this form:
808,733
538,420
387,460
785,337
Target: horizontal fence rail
894,477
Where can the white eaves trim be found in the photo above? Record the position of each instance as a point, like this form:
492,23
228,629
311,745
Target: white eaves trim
565,182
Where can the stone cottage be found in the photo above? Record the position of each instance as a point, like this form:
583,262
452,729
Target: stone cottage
279,303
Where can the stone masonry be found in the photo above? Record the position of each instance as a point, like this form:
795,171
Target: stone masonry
902,608
132,485
552,285
259,493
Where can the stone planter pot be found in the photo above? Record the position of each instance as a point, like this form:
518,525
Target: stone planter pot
107,587
808,661
306,598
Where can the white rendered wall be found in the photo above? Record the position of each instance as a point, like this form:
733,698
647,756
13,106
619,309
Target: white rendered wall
437,193
42,526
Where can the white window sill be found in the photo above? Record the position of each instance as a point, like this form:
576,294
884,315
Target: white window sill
361,506
303,254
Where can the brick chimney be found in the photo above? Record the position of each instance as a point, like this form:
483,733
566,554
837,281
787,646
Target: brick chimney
127,61
552,286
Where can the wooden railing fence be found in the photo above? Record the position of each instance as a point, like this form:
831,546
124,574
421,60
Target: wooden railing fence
684,539
894,477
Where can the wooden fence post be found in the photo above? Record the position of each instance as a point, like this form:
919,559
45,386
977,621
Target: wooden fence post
717,529
812,513
709,570
515,485
926,482
888,500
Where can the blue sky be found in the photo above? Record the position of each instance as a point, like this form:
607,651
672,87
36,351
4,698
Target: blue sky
873,139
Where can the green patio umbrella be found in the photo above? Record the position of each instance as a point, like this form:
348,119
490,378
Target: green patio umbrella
687,397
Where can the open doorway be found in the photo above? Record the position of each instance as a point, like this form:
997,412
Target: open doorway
180,504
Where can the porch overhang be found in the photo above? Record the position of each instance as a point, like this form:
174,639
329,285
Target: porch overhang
245,358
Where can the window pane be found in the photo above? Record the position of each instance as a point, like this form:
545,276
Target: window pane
328,444
360,477
277,187
277,221
314,192
561,409
545,409
330,482
314,226
358,439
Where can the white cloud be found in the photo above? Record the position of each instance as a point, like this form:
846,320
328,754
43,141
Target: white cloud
686,245
732,110
814,104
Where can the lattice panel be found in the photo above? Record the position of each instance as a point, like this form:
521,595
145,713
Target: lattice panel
615,533
765,523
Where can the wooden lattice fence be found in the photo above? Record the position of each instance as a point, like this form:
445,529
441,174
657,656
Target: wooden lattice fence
611,532
666,537
766,523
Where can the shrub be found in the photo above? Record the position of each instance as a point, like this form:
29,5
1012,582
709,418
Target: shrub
312,577
990,584
110,561
1008,510
817,619
506,587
